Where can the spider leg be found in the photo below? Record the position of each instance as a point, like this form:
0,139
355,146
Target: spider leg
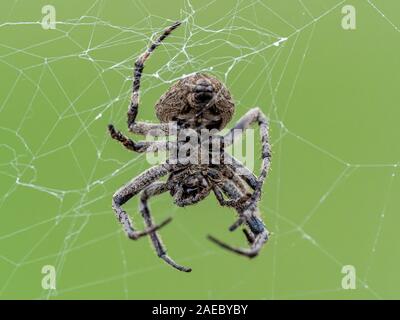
153,129
131,189
244,173
234,188
141,146
139,65
257,236
251,252
153,190
234,202
254,115
249,236
222,201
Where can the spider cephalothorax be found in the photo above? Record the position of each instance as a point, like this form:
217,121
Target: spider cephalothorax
189,186
195,103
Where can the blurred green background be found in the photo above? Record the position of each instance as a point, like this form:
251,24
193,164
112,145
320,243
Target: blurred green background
331,198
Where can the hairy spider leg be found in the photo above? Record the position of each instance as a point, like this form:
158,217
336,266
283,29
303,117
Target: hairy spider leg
254,115
258,234
140,146
248,215
131,189
139,66
153,190
143,128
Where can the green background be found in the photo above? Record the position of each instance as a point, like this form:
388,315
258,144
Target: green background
332,197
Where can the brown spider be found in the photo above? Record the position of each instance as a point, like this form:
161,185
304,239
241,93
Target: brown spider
196,102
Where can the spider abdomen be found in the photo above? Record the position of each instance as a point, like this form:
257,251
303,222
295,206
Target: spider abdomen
197,101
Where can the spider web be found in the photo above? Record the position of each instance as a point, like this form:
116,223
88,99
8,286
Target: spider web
330,199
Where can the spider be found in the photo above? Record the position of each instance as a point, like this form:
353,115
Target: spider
196,102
